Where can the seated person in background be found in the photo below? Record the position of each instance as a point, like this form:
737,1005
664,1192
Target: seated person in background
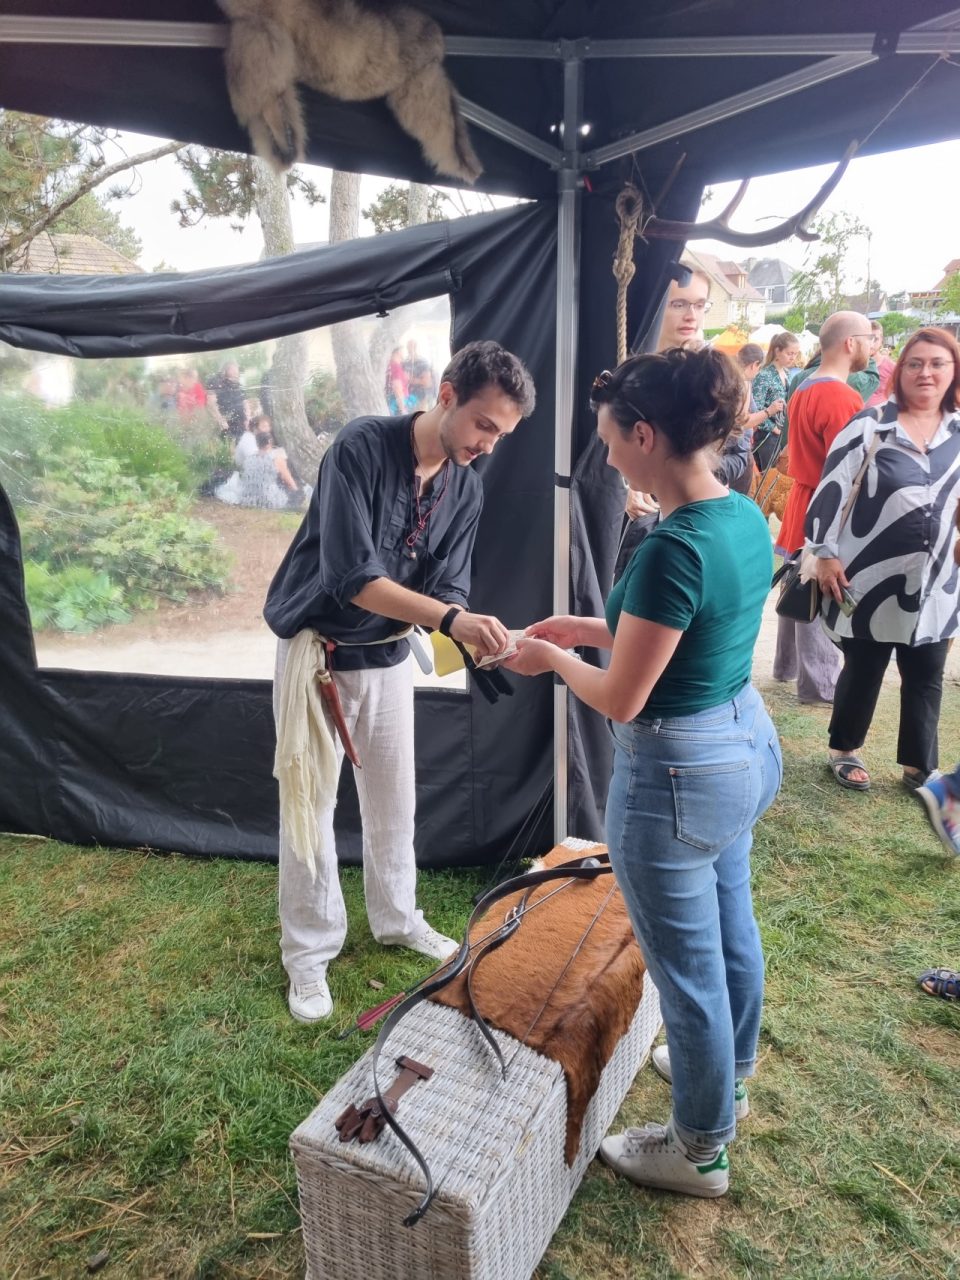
247,444
265,479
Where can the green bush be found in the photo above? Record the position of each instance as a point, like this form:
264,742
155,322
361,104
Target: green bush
76,599
102,496
40,437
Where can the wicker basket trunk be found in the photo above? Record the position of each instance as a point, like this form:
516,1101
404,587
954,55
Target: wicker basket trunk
494,1147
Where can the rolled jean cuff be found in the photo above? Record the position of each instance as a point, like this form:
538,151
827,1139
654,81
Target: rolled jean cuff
703,1137
743,1069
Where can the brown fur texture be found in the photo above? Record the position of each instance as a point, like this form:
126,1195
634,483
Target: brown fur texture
350,51
776,485
580,1023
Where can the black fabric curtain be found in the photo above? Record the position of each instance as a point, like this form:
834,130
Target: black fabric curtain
184,764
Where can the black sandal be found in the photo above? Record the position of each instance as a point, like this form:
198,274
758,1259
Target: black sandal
842,766
943,982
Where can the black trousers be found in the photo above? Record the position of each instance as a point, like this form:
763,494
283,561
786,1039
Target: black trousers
921,688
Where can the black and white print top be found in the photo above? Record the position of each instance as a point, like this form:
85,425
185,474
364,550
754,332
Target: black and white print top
897,544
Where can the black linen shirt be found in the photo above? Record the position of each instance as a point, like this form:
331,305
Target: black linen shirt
354,531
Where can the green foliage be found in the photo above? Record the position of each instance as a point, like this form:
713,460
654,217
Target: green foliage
100,428
223,185
43,162
89,216
112,381
794,320
895,323
323,402
77,598
102,497
950,297
388,212
819,288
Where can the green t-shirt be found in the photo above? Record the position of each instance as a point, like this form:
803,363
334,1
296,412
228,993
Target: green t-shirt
705,570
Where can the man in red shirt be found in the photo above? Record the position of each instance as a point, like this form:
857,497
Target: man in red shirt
818,411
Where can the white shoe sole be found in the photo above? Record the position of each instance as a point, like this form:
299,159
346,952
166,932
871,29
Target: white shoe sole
680,1188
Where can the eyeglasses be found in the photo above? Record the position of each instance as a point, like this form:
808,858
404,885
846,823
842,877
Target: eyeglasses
602,381
683,304
914,366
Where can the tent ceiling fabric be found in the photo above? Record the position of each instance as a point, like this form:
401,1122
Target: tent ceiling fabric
180,92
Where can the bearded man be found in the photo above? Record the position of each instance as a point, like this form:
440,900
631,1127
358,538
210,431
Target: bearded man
385,545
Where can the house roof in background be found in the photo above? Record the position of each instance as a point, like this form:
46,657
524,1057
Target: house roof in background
769,272
60,253
716,269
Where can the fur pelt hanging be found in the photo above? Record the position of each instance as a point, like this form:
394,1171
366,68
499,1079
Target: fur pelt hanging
350,49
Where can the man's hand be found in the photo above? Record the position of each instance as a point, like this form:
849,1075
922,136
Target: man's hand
533,657
487,634
831,578
563,630
640,504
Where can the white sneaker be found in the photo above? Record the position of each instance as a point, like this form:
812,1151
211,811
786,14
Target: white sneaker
310,1001
660,1061
654,1157
427,941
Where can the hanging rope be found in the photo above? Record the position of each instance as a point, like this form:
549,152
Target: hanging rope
629,209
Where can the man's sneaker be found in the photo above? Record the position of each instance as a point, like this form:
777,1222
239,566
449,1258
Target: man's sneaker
427,941
310,1001
655,1157
943,811
660,1060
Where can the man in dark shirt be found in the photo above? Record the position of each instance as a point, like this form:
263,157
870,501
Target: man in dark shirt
227,401
386,543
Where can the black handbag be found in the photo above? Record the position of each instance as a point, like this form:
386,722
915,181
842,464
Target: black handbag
797,600
801,601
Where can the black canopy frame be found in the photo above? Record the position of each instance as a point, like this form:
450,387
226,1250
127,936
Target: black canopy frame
836,76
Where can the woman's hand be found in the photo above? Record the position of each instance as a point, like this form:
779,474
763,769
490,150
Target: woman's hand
640,504
774,408
533,657
562,630
831,577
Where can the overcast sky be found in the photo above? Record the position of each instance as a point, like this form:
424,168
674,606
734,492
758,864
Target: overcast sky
908,199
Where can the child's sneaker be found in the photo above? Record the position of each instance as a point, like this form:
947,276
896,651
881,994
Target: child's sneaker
655,1157
943,810
660,1060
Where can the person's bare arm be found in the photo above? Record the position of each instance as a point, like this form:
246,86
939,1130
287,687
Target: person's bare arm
283,471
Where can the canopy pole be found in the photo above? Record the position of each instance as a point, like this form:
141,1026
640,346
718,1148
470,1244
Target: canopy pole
569,182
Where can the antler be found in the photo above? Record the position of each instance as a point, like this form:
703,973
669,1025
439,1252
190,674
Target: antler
719,229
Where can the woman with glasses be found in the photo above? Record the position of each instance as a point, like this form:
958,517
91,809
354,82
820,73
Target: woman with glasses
770,395
887,575
696,757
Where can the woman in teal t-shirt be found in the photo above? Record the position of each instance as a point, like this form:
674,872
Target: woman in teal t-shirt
696,757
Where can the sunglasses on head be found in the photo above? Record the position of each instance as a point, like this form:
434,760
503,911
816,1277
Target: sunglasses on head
602,382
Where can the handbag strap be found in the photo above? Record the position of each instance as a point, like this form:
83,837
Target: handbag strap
858,480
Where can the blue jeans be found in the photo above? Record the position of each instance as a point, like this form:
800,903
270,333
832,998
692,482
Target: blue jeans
683,800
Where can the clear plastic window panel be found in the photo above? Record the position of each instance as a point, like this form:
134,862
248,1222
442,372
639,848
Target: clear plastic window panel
152,519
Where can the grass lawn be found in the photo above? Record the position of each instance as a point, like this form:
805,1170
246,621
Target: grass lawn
150,1076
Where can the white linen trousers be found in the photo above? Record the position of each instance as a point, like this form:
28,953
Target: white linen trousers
378,709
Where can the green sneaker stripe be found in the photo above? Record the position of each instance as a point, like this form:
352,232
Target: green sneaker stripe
721,1163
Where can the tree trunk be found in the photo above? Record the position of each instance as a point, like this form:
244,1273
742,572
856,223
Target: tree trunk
288,372
361,387
387,333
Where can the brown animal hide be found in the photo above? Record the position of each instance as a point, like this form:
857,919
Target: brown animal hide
349,50
572,1010
772,493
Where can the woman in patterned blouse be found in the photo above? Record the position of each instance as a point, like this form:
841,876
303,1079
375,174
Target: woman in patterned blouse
770,394
894,554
